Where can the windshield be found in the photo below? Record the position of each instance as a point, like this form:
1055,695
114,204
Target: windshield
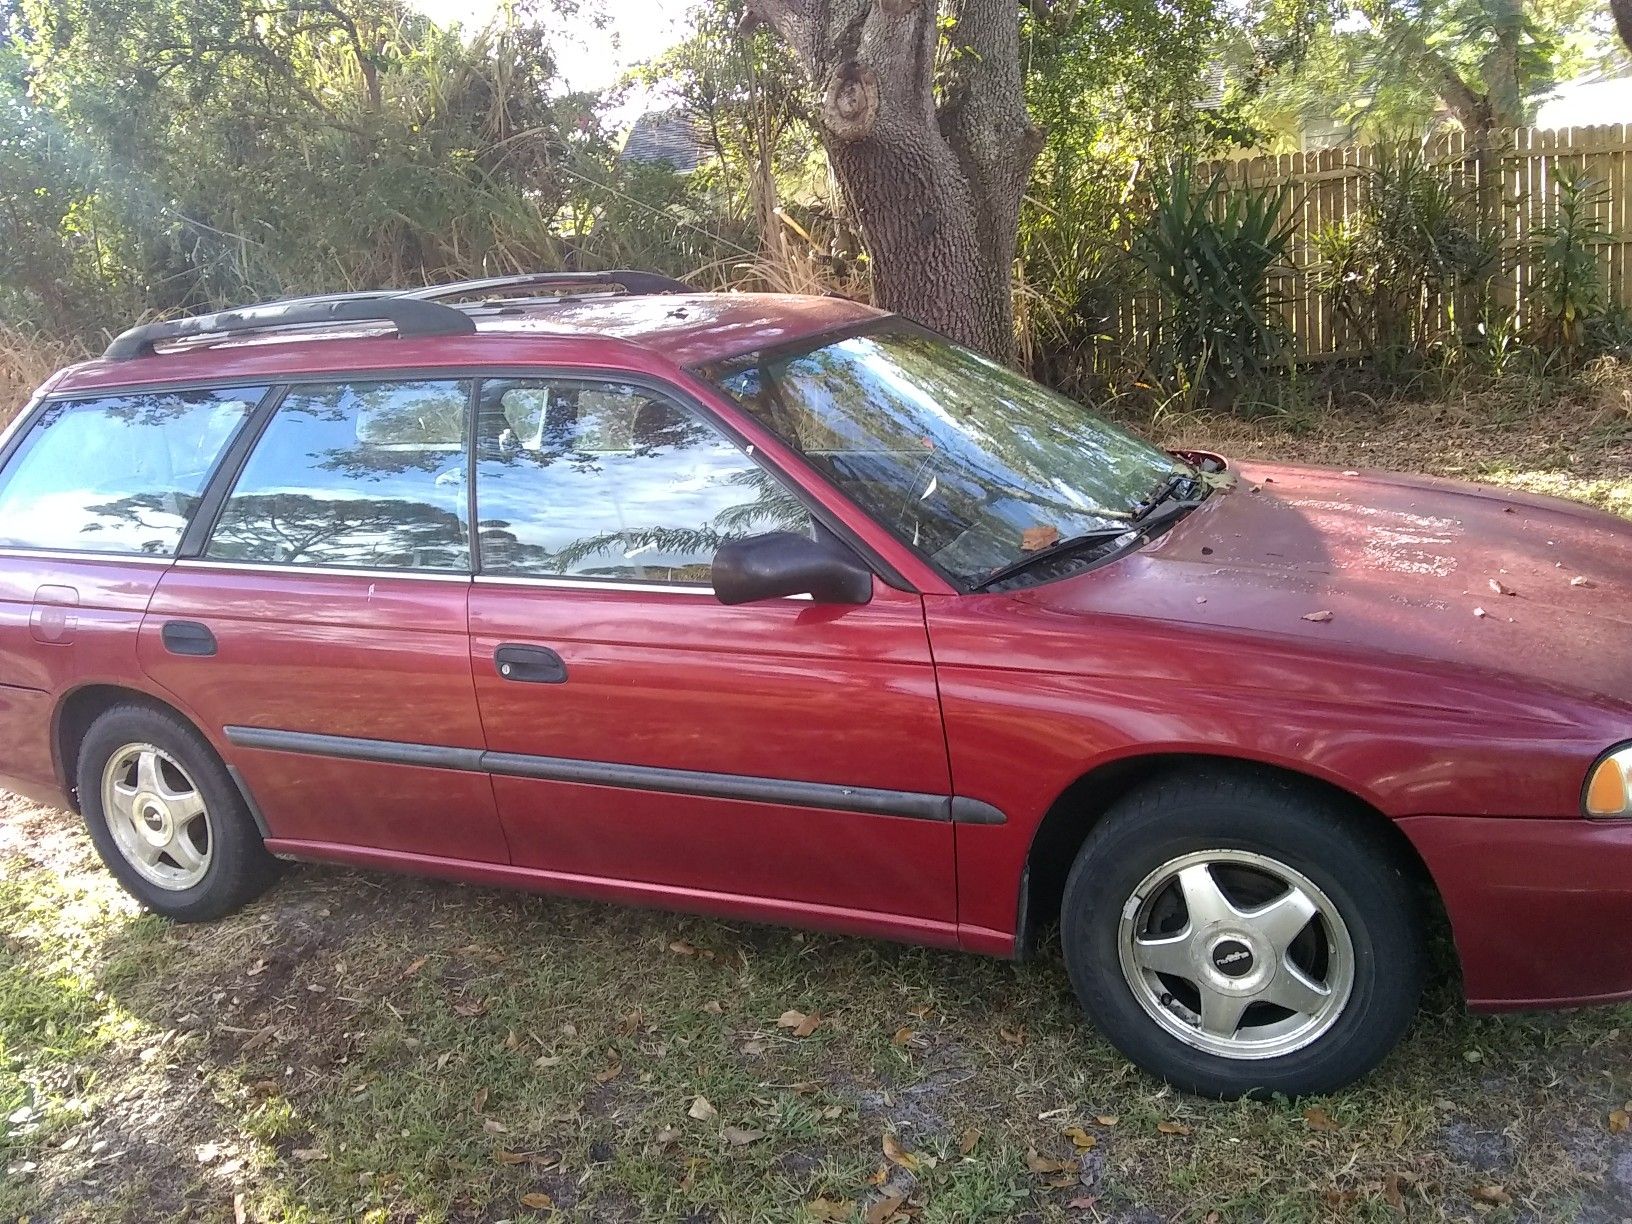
967,461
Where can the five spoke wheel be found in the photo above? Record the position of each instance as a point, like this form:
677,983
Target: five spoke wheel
1236,954
157,816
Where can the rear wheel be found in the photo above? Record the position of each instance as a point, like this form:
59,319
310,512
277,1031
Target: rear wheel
1237,936
166,816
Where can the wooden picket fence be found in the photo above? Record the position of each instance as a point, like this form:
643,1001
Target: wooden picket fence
1513,177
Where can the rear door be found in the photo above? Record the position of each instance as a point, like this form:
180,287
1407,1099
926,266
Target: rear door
95,496
784,758
321,629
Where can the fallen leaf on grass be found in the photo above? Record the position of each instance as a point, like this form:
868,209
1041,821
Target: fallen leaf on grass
738,1136
830,1209
1319,1119
1013,1036
713,1008
538,1201
1619,1120
885,1209
1079,1137
1322,615
240,1214
549,1060
802,1024
896,1154
921,1011
832,1112
1107,1119
902,1036
755,1047
1172,1128
609,1074
470,1008
702,1109
668,1135
1492,1194
266,1088
1039,1163
309,1154
478,1102
967,1144
1083,1202
492,1127
511,1158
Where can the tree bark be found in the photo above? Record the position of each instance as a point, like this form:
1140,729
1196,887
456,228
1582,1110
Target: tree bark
1622,10
936,182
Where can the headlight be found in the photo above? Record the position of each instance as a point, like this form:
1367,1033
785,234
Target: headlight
1609,786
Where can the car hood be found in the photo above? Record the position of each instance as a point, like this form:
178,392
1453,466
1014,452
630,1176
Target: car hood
1434,570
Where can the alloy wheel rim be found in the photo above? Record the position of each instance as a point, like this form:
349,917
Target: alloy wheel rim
157,816
1236,954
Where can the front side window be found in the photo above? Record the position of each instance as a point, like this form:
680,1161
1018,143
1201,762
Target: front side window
355,475
610,481
969,462
118,474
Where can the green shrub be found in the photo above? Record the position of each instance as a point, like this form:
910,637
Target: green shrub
1210,253
1569,280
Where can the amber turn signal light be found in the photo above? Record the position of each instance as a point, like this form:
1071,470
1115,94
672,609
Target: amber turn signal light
1609,786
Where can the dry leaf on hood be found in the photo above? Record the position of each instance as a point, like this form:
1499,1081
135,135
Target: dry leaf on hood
1035,539
1322,616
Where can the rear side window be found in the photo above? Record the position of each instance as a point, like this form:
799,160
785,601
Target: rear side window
355,475
119,474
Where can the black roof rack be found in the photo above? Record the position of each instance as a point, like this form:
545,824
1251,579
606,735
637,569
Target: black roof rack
411,317
415,312
626,279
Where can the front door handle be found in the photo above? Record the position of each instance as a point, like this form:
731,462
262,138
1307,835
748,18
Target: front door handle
530,665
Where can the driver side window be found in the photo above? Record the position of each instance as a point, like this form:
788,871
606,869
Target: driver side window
577,478
355,475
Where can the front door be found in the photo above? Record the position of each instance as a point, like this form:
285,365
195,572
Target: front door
322,631
784,759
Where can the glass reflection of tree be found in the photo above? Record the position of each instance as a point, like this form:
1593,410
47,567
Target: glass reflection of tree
164,514
301,529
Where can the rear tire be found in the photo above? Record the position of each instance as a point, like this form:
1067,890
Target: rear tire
166,816
1239,936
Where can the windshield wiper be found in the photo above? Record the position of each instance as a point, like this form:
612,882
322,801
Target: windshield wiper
1185,486
1147,519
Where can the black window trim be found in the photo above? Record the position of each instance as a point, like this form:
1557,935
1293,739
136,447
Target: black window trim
26,421
281,384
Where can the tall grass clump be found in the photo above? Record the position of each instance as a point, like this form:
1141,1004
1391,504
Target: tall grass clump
1211,253
27,359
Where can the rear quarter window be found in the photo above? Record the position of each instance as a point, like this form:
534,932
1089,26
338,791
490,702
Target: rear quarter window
118,474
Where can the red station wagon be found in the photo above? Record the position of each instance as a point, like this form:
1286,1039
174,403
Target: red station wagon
786,609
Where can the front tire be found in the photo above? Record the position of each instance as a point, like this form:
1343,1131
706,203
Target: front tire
166,816
1241,936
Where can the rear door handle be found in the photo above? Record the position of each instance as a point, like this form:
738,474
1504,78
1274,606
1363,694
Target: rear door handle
188,638
530,665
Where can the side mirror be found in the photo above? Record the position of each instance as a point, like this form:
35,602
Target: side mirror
782,563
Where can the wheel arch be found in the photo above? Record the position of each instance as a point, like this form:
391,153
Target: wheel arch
1073,815
82,706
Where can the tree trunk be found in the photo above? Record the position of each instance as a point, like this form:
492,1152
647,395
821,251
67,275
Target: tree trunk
1622,9
936,187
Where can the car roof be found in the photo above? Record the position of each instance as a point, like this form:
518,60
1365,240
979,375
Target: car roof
631,332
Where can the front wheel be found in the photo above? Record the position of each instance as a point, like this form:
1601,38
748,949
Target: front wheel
1242,937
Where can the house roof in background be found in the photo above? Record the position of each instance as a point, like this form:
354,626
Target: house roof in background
665,137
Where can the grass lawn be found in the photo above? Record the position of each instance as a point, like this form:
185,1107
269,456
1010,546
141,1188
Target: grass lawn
363,1047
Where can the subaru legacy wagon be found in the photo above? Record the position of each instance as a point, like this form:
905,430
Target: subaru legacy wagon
783,608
